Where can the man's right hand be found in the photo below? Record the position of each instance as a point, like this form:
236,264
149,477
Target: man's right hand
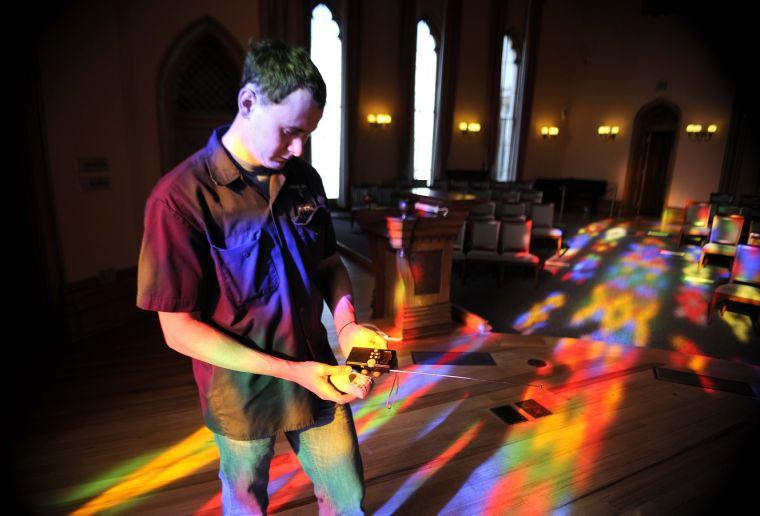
315,377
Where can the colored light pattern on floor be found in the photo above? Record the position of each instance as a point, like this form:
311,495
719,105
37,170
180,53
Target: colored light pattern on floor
436,422
610,239
625,304
692,303
684,345
537,316
427,470
186,457
630,289
106,480
740,325
584,269
541,457
585,236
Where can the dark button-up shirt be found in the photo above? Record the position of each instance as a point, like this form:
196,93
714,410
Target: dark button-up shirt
214,244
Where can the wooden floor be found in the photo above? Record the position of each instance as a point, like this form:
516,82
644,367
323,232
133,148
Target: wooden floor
121,431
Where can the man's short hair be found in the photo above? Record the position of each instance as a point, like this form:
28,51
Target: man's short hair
276,70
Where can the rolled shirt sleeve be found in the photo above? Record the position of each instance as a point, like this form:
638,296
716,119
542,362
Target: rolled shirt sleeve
173,261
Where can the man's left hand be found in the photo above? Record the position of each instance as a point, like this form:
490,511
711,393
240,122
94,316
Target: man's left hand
356,335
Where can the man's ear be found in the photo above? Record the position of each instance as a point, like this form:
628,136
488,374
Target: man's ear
246,100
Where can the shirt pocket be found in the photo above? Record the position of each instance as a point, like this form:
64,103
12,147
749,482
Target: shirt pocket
247,269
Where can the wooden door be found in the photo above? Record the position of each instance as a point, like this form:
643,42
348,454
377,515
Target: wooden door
653,185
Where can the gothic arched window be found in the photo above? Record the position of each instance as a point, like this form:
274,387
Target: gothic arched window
505,169
425,76
326,52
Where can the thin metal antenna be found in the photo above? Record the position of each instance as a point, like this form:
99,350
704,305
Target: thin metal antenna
467,378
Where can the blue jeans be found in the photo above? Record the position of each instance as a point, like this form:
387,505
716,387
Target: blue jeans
328,451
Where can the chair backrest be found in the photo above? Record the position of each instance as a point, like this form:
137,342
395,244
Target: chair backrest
698,214
752,201
485,235
532,196
523,185
385,195
440,184
358,193
746,268
483,195
483,210
511,196
459,242
514,237
542,215
726,229
510,209
754,228
721,198
458,185
728,209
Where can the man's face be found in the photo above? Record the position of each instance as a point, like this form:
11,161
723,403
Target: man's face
277,132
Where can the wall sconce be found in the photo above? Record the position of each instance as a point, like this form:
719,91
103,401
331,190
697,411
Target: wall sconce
607,132
471,127
378,119
697,134
549,132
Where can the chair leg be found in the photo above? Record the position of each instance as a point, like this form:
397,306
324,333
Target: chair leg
535,276
711,308
559,245
701,259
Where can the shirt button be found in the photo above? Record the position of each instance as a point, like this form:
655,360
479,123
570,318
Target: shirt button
256,234
247,254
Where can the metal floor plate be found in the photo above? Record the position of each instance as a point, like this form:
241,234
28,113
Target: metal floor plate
705,382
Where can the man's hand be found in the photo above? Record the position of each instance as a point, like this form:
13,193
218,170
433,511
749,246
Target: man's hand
314,376
356,335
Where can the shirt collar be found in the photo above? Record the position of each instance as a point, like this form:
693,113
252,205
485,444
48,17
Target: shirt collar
221,169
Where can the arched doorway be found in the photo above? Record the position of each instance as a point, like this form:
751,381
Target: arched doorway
197,89
650,165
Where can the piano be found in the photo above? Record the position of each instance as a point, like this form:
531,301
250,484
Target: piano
578,191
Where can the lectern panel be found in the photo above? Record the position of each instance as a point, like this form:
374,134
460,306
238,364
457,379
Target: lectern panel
426,271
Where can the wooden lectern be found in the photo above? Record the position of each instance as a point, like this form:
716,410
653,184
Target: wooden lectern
412,257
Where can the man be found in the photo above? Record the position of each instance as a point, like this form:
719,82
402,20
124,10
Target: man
238,255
